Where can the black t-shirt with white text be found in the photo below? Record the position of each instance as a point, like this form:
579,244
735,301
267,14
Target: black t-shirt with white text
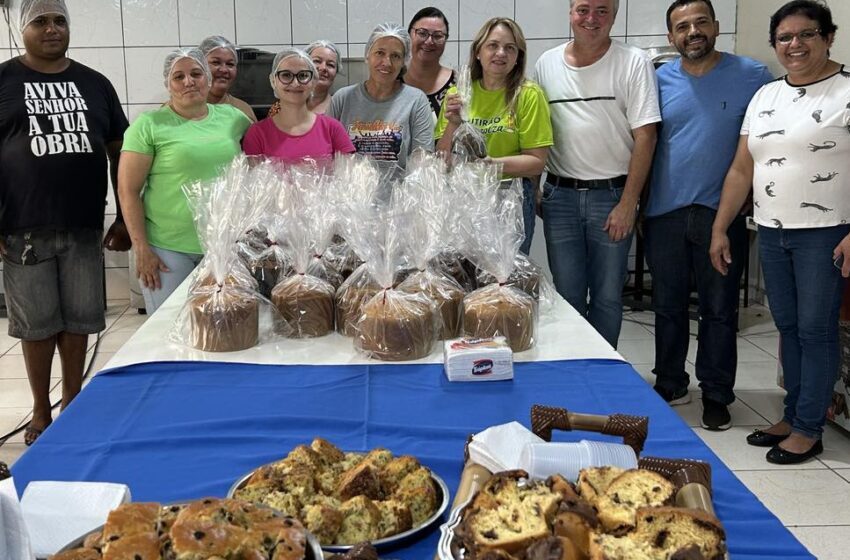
54,129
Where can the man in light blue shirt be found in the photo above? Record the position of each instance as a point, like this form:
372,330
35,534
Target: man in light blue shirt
703,95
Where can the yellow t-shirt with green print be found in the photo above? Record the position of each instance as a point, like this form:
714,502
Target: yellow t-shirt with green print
506,135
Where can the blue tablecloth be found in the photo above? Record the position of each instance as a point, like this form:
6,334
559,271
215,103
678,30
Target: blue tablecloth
177,431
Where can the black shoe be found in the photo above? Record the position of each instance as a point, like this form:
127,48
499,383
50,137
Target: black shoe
764,439
715,416
780,456
674,398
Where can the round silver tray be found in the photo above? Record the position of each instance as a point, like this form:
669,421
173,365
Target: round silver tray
313,549
386,542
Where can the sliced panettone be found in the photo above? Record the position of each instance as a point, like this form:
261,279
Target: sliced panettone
378,457
553,548
361,519
593,482
500,488
362,480
610,547
284,502
394,471
328,452
509,528
539,498
78,554
306,456
673,529
418,492
631,490
395,518
323,521
562,486
132,530
576,520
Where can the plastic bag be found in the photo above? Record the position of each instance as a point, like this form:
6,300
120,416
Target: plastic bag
468,143
305,299
493,233
393,325
222,310
425,198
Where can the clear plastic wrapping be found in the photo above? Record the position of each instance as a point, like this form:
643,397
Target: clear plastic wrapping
468,143
222,310
393,325
301,230
425,197
492,235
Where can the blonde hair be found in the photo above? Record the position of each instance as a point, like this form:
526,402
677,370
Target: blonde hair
516,77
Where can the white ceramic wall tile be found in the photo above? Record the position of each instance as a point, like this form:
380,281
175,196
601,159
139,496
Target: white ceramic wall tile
544,20
727,12
134,111
537,47
646,17
109,61
725,43
619,29
647,41
144,74
263,22
364,15
150,22
448,7
202,18
314,19
474,13
452,56
117,283
5,54
96,23
4,32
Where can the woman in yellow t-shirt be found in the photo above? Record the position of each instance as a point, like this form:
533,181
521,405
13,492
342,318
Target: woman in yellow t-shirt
511,112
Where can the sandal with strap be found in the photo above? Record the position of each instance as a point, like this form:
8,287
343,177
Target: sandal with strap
31,434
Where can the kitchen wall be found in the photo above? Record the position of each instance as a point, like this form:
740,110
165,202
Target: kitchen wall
127,40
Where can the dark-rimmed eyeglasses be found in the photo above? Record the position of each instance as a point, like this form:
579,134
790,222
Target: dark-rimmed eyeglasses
285,76
803,36
436,36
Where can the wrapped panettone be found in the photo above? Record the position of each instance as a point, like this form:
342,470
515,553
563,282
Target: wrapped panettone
306,305
446,293
357,289
526,275
396,326
501,310
224,317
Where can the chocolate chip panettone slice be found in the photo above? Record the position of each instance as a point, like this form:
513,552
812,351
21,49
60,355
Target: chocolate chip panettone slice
673,529
631,490
132,530
593,482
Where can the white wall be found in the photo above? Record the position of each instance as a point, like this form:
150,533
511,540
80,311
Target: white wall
127,39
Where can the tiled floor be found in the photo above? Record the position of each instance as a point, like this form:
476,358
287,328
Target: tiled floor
810,499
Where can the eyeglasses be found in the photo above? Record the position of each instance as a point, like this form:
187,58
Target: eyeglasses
803,36
285,76
436,36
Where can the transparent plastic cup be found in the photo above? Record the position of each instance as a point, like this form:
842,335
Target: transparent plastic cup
610,454
542,460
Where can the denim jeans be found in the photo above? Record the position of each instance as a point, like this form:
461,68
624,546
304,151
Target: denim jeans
180,266
804,289
583,258
677,246
529,214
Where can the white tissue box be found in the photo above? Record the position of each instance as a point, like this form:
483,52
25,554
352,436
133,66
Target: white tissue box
478,359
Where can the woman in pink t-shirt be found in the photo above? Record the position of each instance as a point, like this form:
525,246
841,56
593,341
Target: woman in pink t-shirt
295,133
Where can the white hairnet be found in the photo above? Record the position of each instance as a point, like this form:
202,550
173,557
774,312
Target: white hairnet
32,9
179,54
214,42
391,30
290,52
322,44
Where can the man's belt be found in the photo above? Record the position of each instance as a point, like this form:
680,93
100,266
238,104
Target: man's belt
586,184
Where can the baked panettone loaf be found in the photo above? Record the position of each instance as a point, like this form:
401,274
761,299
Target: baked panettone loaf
78,554
396,326
631,490
446,293
306,305
357,289
500,310
674,529
223,317
455,265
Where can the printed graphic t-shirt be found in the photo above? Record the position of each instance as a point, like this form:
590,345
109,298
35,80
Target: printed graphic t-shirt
183,151
54,129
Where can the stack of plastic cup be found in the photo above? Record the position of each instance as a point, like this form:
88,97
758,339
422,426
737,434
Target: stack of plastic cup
542,460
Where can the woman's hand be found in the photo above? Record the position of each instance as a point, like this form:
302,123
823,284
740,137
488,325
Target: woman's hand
453,106
841,254
720,252
148,267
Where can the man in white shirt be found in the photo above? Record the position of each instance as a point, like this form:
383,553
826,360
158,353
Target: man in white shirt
604,105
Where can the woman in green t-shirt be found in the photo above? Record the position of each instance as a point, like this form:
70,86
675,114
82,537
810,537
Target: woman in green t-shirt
511,112
184,141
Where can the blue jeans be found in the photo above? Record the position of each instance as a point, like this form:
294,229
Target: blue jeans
677,246
583,258
804,289
529,214
180,266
